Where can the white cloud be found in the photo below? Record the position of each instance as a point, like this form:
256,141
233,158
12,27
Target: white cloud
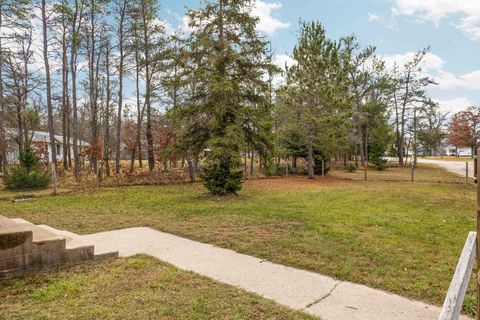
268,23
373,17
431,62
437,10
185,25
282,60
447,80
263,10
454,105
433,66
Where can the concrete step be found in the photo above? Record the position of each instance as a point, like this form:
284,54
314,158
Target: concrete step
74,241
5,222
27,248
40,235
21,221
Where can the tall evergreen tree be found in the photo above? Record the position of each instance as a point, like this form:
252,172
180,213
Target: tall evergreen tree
231,60
316,87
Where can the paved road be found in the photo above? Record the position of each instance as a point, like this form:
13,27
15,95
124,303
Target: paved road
457,167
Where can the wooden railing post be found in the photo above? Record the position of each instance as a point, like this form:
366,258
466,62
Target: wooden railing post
466,172
477,164
452,307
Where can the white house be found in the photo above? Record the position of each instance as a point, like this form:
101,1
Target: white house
458,152
40,142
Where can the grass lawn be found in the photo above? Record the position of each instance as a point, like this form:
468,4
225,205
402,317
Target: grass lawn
386,233
134,288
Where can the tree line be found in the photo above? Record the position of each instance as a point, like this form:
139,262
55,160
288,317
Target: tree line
210,90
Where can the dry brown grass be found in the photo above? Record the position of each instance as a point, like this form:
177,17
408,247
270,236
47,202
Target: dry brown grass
137,288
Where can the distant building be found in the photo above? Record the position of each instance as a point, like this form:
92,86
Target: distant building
40,142
458,152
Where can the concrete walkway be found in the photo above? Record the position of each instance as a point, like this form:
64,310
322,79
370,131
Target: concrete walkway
313,293
457,167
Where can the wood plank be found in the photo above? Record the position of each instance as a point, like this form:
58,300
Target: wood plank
458,287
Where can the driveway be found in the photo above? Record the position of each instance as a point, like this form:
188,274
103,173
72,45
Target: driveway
457,167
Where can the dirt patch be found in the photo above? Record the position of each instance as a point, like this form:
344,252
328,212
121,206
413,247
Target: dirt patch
293,182
246,231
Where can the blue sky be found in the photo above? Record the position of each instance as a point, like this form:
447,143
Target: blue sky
397,28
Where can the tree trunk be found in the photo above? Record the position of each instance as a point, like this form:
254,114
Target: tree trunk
191,168
3,141
138,141
311,173
150,153
400,152
106,153
21,131
65,94
69,138
73,68
118,134
361,145
367,157
132,161
49,89
92,89
252,163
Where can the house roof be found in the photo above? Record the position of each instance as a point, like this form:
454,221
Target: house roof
43,136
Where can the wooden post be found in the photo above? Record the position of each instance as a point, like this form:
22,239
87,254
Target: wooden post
323,168
54,179
158,174
477,164
286,168
412,178
466,172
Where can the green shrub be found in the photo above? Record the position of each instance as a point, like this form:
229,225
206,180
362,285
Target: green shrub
297,170
28,175
18,178
351,167
275,169
222,175
28,159
317,168
380,163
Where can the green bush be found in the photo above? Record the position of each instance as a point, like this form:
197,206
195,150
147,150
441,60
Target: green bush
297,170
351,167
28,159
221,174
275,169
18,178
380,163
28,175
317,168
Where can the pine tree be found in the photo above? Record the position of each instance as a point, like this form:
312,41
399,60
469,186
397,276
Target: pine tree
315,89
231,100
